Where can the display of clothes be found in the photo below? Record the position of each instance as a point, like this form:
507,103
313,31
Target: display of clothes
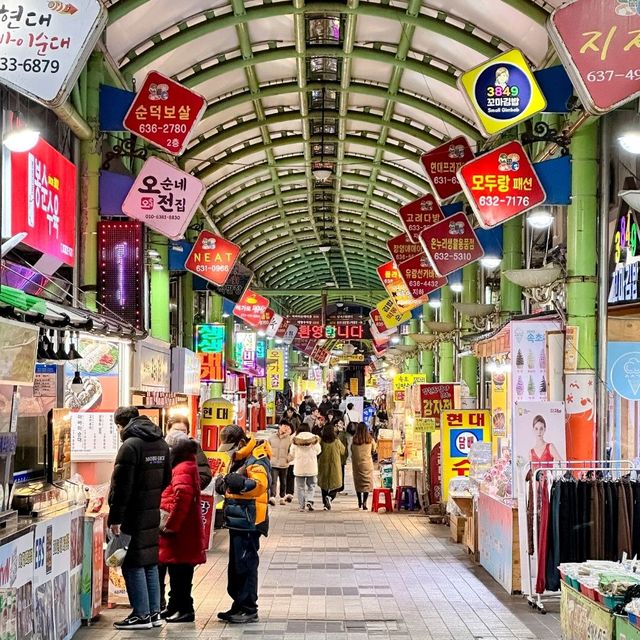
579,520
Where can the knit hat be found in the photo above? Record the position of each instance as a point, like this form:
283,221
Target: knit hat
174,436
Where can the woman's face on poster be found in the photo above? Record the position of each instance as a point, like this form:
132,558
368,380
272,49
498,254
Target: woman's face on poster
539,428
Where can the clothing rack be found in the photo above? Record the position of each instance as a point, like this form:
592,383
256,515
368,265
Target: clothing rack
614,468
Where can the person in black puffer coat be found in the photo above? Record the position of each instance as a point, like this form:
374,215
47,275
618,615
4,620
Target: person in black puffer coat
142,471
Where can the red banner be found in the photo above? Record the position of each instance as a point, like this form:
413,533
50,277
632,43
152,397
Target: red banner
401,248
434,399
265,320
251,308
501,184
212,258
394,284
441,166
420,278
378,323
420,214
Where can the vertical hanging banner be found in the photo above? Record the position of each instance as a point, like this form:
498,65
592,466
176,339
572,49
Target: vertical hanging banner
45,45
267,316
502,92
442,164
164,113
597,43
164,198
212,258
251,308
501,184
416,216
451,244
275,370
401,248
274,325
420,278
391,314
209,345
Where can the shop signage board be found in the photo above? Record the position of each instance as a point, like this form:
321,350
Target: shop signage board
152,366
623,369
500,413
266,319
93,436
209,343
274,325
43,201
420,214
436,398
391,314
420,278
165,112
402,382
502,92
275,370
216,414
244,351
451,244
45,45
331,331
46,381
185,371
394,284
501,184
251,307
378,327
460,429
401,248
597,43
290,334
624,258
441,166
237,282
212,258
164,198
582,618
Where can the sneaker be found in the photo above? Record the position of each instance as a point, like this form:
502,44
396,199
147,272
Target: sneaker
283,501
272,502
243,618
309,506
327,503
134,622
301,509
289,498
157,619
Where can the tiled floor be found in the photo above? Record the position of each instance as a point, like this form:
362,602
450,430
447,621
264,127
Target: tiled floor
353,575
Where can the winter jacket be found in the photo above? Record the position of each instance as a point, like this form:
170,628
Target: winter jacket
362,464
280,450
304,452
344,438
182,540
330,465
204,470
142,471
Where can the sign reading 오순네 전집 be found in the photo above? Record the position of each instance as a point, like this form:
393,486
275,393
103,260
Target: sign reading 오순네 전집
420,214
251,307
212,258
402,382
441,166
420,278
275,370
597,43
164,113
45,44
401,248
502,92
451,244
391,314
164,198
459,430
501,184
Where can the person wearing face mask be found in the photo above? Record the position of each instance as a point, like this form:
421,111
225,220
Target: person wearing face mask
180,424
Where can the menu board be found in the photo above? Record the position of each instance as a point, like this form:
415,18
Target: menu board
94,436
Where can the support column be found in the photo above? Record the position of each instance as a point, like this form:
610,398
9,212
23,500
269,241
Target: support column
216,303
159,298
469,364
187,310
411,363
446,349
428,358
510,293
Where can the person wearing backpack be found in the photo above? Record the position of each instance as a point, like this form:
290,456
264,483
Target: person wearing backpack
246,515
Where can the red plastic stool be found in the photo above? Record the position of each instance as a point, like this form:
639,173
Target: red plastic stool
388,502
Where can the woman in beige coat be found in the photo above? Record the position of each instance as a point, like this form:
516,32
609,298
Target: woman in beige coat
362,449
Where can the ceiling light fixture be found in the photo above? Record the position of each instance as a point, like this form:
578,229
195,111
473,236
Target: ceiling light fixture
154,253
324,248
457,287
322,173
630,142
76,384
490,262
540,219
21,139
434,303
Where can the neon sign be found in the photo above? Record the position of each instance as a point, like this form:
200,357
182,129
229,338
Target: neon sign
624,264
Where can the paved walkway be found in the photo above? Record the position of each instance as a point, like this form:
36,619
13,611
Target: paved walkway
353,575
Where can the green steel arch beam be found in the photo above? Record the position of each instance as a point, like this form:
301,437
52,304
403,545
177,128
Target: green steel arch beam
300,277
309,305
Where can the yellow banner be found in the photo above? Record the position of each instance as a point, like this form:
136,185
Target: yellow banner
425,425
275,370
392,315
403,381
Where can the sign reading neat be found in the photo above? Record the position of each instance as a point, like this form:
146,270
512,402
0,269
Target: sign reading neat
164,113
501,184
212,257
441,166
420,214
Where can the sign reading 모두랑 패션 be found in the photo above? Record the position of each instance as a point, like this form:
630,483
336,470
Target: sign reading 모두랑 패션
43,45
502,92
164,198
441,166
212,258
164,113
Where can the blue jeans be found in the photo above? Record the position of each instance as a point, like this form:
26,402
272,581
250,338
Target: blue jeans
305,487
143,589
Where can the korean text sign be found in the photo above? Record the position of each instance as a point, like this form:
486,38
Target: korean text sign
392,315
436,398
401,248
502,92
420,278
212,258
460,429
420,214
164,113
45,44
598,44
402,382
209,345
441,166
394,284
251,307
451,244
43,201
164,198
275,370
501,184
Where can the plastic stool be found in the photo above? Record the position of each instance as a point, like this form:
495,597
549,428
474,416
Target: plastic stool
388,502
407,498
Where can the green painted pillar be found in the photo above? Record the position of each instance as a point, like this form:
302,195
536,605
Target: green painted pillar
446,349
582,229
90,164
469,364
428,359
510,293
187,310
159,298
411,363
216,303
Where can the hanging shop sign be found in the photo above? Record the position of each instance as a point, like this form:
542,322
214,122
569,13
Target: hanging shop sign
237,282
152,366
451,244
331,331
401,248
275,370
460,430
320,354
164,113
274,325
212,258
442,164
502,92
45,45
265,319
394,284
391,314
501,184
185,371
290,334
623,369
624,258
164,198
251,307
244,352
436,398
402,382
500,412
378,328
209,343
43,200
597,43
420,278
216,414
420,214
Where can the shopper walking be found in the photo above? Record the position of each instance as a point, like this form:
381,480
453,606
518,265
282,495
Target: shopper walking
142,471
330,465
304,452
341,434
362,449
246,515
291,415
280,445
182,544
180,424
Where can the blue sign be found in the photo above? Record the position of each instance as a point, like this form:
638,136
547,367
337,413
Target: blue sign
503,91
623,369
461,441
